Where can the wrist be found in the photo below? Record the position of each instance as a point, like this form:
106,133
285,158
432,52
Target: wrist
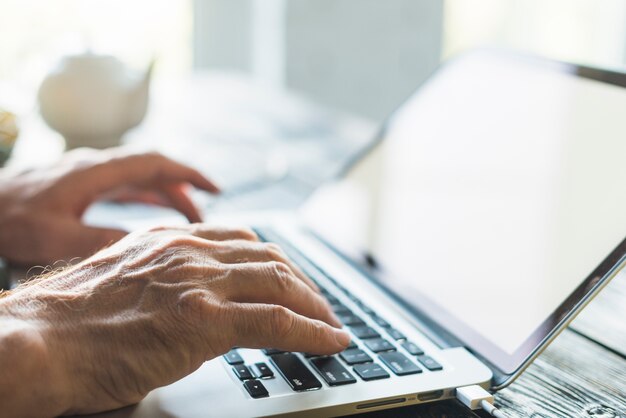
31,383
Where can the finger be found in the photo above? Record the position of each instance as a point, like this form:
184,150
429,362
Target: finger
74,239
169,195
260,326
211,233
275,283
125,169
179,200
170,170
223,233
241,251
132,195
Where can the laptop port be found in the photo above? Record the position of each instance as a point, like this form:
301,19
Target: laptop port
430,396
380,403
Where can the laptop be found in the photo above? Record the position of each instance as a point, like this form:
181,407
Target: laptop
488,212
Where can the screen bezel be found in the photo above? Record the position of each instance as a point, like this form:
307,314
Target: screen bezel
507,366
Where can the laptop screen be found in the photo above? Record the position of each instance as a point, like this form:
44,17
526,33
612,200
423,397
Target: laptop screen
495,191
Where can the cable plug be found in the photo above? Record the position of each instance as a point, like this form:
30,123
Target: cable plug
475,397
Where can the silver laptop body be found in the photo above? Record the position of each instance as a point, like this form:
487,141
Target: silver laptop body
411,344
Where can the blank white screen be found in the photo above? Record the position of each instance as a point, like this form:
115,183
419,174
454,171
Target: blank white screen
497,190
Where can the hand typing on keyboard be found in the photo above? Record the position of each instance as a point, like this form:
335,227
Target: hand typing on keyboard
41,210
147,311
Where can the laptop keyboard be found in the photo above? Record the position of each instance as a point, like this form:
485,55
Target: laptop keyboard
368,352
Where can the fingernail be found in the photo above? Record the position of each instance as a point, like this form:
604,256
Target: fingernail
342,337
216,188
336,322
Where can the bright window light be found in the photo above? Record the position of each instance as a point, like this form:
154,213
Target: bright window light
36,33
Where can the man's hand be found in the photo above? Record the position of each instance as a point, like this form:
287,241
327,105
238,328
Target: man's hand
151,309
41,210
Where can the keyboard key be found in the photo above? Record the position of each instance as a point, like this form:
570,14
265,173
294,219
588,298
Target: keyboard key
412,348
263,371
332,371
354,299
242,372
340,309
370,371
351,320
429,363
379,344
380,322
272,351
399,363
355,356
255,389
395,334
332,299
328,276
297,375
367,310
364,332
310,355
233,357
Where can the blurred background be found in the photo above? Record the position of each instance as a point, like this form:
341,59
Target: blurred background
292,85
363,56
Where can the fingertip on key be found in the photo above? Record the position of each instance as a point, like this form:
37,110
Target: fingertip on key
342,337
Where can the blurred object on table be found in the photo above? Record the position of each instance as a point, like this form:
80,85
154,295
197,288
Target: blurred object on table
8,135
248,136
92,100
267,148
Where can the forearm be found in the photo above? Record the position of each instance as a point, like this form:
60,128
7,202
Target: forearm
29,385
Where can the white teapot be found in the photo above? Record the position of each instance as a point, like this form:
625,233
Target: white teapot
92,100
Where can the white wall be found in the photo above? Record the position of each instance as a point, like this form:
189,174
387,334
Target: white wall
363,56
222,34
584,31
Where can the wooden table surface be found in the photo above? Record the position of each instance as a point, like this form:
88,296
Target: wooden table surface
582,374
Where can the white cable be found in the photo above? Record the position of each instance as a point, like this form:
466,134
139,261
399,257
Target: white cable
475,397
492,410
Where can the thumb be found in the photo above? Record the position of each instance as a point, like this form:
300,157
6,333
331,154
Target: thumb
83,241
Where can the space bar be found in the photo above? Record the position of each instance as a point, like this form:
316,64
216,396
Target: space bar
297,375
